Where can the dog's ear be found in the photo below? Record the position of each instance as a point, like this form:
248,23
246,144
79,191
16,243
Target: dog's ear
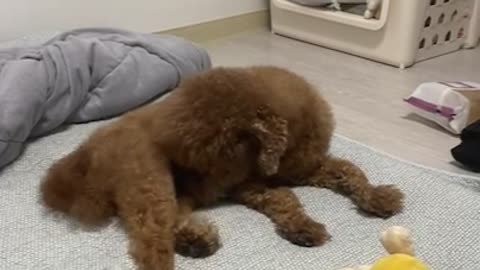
271,131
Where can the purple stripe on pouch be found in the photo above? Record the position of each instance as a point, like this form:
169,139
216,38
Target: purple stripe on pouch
446,112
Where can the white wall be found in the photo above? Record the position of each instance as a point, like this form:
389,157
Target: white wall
21,17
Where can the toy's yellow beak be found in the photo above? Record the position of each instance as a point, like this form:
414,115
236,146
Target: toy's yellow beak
399,262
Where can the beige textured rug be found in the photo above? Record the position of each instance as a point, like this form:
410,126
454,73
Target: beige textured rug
442,210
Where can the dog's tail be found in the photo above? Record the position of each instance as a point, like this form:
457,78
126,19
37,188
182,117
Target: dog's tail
272,132
63,181
67,189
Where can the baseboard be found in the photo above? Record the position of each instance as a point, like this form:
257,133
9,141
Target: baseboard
224,27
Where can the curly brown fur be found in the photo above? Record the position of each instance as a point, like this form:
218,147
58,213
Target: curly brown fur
117,173
194,237
241,134
346,178
282,206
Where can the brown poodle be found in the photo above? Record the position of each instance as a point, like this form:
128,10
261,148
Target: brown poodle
240,134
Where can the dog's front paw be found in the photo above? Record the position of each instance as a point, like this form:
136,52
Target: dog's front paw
306,233
385,201
197,240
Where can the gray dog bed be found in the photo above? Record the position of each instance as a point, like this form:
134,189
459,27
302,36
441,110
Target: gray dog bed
85,75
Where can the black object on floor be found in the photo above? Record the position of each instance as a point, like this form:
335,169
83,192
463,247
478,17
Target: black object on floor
468,151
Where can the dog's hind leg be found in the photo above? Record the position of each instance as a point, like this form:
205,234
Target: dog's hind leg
284,209
145,198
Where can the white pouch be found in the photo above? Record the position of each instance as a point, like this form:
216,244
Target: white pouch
452,105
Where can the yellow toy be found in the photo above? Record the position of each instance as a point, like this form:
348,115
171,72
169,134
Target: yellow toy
398,243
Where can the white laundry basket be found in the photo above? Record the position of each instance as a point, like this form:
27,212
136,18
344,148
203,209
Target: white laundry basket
407,31
473,36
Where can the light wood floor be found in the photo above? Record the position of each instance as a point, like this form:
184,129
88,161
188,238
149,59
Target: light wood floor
366,96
